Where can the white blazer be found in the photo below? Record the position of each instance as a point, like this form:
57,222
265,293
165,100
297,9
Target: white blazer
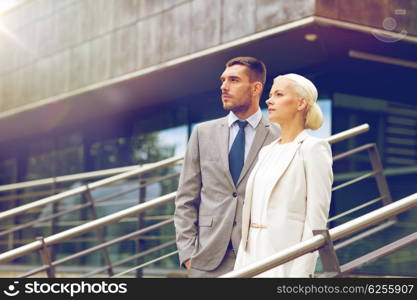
298,202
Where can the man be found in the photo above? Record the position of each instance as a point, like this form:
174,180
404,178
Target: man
220,155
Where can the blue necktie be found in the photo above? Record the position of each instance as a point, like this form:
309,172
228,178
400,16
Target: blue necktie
237,152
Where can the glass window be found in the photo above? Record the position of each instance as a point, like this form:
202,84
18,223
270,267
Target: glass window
158,136
326,129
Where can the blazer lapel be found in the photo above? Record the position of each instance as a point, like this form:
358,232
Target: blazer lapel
285,162
247,205
286,159
262,131
223,146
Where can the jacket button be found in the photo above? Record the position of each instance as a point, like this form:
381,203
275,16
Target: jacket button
235,195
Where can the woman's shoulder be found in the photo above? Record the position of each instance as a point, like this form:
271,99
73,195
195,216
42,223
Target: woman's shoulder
312,144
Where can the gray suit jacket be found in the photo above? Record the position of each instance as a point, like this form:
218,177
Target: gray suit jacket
208,207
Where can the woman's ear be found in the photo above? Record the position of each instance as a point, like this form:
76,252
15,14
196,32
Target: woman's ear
302,104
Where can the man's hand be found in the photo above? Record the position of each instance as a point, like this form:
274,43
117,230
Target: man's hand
187,264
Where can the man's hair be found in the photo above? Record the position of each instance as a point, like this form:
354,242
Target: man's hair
257,69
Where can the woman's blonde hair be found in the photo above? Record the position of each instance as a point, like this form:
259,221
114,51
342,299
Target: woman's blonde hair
306,89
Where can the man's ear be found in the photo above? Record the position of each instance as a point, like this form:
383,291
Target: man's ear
302,104
257,88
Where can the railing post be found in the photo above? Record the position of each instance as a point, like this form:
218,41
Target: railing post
45,257
54,221
17,235
331,266
139,241
10,238
88,197
381,181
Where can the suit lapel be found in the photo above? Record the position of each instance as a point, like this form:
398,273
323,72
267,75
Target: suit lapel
223,146
262,131
286,159
283,165
247,207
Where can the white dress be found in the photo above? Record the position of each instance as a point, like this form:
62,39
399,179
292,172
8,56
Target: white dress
263,179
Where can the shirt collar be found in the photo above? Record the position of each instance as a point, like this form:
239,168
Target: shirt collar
253,120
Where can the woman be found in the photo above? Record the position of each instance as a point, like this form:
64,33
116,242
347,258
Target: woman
288,192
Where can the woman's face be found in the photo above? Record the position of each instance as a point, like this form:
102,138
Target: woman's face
283,103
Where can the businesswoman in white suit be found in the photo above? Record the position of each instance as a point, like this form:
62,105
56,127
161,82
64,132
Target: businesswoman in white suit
289,189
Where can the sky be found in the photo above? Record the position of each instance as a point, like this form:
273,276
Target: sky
6,4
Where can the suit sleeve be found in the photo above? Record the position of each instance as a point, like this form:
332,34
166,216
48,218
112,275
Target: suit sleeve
187,200
319,179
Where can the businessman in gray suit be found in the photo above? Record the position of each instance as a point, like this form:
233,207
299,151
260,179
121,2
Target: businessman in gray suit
219,157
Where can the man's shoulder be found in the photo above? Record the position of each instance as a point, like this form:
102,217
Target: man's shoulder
207,125
275,129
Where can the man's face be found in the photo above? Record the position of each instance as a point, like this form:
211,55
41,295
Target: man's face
236,88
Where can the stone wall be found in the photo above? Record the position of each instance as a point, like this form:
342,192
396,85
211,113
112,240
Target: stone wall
372,13
50,47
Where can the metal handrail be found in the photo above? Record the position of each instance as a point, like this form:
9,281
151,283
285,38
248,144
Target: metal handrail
146,264
89,226
338,137
37,205
365,234
359,207
87,187
66,178
55,190
137,171
99,247
44,219
318,241
80,206
26,195
135,256
385,195
107,172
131,211
355,180
377,254
353,151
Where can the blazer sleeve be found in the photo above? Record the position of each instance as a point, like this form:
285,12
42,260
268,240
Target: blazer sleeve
187,200
319,179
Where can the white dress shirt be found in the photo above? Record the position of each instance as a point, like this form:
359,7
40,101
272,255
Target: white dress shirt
250,129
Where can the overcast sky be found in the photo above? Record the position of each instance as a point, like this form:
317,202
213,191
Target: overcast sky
6,4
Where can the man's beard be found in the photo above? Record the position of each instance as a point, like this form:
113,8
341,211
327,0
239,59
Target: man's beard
238,108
